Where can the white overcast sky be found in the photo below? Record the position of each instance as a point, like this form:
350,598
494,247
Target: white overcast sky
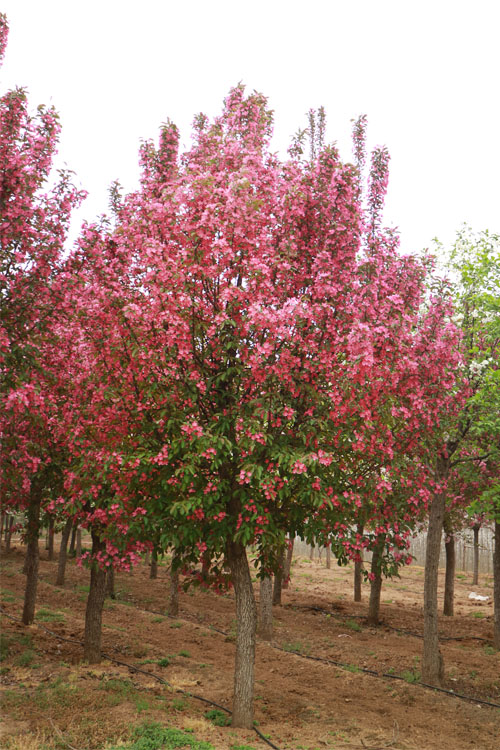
427,74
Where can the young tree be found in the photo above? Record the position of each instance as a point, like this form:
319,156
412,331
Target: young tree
32,232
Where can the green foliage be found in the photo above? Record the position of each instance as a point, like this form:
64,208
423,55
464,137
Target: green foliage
217,717
155,737
5,642
46,615
353,625
411,676
25,659
184,653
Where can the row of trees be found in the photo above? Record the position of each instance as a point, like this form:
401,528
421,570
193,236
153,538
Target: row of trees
240,354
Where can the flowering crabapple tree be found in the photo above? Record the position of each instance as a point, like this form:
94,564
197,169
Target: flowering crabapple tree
247,314
33,226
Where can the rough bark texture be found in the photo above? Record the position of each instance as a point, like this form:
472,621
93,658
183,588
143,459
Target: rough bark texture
50,538
173,603
71,551
288,565
246,619
8,532
432,660
475,574
95,603
32,553
496,587
147,558
63,552
78,547
449,580
328,557
277,588
205,565
110,582
153,568
358,579
375,587
358,570
311,552
266,609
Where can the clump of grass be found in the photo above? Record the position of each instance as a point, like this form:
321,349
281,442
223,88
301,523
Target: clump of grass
217,717
25,659
153,736
353,625
176,625
490,650
296,648
411,676
352,668
184,653
47,615
164,662
5,642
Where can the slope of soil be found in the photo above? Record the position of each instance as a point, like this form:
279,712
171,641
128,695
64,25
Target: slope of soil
52,700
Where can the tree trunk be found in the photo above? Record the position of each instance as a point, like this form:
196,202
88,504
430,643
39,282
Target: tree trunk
8,532
432,660
147,557
51,538
496,587
311,553
110,582
246,619
205,565
278,580
78,547
449,581
358,579
32,553
61,564
288,564
475,574
153,570
375,586
95,603
173,604
71,551
328,562
266,609
358,568
3,517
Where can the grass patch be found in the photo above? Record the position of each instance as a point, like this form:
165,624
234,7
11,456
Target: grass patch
217,717
47,615
158,619
154,737
176,625
411,676
25,659
296,647
186,654
490,650
352,668
353,625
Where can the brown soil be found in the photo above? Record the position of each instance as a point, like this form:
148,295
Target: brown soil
52,699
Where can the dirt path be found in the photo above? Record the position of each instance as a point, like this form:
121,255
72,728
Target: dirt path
300,703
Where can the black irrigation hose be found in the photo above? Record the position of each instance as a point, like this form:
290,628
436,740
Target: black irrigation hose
391,627
133,668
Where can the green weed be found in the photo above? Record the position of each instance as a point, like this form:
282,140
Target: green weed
217,717
411,676
186,654
176,625
154,736
353,625
46,615
490,650
25,659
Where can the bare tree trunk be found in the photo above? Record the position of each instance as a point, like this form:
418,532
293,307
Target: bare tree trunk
71,551
32,553
153,570
8,532
432,660
449,581
288,564
475,574
311,553
358,569
95,603
3,517
375,586
278,579
63,554
147,557
246,619
328,557
173,604
51,538
266,609
205,565
110,582
496,588
358,578
78,548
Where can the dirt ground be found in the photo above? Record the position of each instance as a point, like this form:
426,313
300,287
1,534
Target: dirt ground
52,700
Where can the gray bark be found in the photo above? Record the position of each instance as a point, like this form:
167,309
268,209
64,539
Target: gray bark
266,609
